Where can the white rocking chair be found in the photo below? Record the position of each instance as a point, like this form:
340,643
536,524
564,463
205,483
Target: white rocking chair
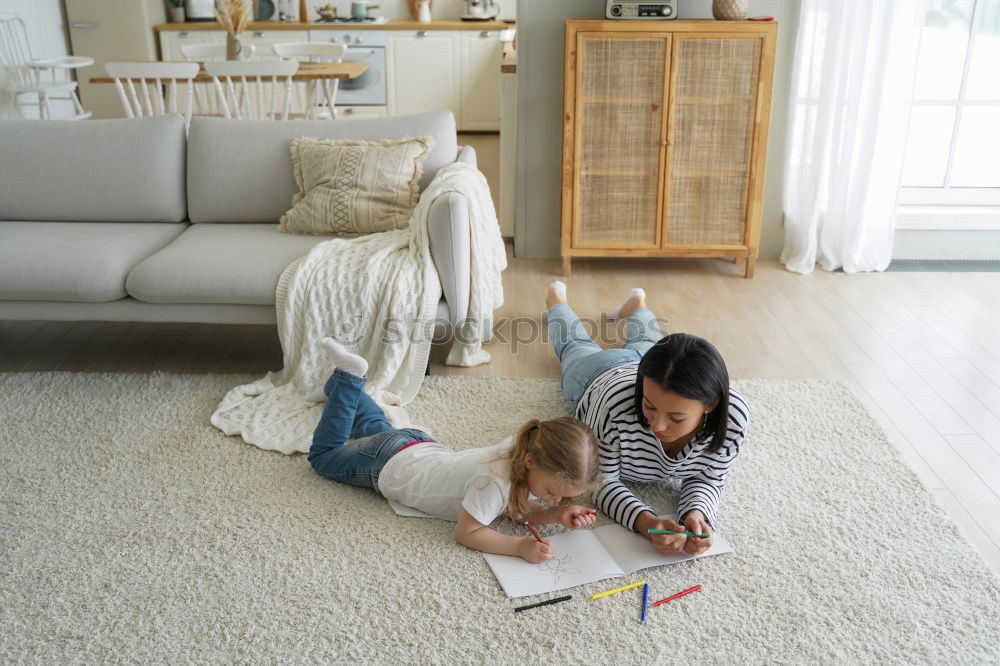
27,76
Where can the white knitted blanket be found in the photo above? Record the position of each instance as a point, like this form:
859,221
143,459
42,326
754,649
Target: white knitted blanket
377,294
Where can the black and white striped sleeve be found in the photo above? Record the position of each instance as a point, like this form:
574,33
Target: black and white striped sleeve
613,497
703,489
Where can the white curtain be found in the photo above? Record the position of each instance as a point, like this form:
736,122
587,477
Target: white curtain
852,81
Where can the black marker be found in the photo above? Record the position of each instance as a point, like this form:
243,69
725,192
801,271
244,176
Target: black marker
543,603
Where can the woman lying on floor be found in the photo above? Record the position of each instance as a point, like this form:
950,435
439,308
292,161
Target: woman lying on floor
661,408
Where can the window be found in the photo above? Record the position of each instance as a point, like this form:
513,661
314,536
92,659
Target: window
953,145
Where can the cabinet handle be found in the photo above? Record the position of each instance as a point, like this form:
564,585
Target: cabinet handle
82,24
258,34
421,33
182,35
484,34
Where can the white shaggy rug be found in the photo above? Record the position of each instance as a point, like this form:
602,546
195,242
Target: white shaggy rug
131,530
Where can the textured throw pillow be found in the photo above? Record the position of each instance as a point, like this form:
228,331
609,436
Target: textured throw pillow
348,188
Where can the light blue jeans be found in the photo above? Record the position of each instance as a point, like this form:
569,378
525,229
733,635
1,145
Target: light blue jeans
353,441
582,360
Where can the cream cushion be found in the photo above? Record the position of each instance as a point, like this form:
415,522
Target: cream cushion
348,187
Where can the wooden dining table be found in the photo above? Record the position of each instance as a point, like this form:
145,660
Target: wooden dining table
308,71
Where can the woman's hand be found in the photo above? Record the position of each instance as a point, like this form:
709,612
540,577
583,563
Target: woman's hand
668,544
534,551
574,516
695,522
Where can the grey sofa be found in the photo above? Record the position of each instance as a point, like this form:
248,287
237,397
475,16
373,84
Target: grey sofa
131,220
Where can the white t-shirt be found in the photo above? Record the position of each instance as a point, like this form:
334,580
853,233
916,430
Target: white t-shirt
439,482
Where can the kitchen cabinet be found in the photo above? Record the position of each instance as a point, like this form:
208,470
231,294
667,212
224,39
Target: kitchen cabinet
665,159
423,72
263,41
481,51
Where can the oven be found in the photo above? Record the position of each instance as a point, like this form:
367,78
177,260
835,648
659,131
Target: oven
368,46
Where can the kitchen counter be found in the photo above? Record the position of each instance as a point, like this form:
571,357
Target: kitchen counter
508,64
390,25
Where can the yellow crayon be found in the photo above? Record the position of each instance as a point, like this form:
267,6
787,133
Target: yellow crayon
617,589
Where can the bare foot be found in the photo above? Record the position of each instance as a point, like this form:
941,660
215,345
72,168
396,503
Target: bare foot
557,294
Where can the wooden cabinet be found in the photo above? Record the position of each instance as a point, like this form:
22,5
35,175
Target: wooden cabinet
480,79
664,138
423,72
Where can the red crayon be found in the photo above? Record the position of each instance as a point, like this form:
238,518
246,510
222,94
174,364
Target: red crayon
679,594
533,532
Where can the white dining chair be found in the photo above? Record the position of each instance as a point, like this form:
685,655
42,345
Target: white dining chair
157,86
46,80
320,96
205,102
253,89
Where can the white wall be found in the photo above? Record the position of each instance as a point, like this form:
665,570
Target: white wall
47,34
539,92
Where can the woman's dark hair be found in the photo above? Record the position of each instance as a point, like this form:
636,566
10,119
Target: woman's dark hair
692,368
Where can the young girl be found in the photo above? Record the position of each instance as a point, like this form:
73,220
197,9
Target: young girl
661,408
551,461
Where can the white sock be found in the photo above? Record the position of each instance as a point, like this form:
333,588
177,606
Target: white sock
614,314
560,287
337,356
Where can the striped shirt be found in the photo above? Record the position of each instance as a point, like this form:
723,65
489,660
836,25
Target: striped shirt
629,450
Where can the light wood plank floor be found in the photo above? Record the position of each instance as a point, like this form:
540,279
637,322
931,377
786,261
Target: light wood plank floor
922,351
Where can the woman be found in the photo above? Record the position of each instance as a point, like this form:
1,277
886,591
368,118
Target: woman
661,408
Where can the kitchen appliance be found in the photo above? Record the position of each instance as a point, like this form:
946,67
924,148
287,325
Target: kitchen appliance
199,10
368,46
111,31
647,9
481,10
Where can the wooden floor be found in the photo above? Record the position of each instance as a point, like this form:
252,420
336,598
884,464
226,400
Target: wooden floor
921,350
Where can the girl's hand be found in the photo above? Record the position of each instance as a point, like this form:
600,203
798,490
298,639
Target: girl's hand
695,522
574,516
668,544
534,552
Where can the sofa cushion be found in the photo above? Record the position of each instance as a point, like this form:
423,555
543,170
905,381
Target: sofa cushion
241,170
219,263
75,261
349,188
126,170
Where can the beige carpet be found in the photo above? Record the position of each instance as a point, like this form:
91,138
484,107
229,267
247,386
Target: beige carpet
133,531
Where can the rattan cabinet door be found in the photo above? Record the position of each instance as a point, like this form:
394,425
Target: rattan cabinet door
620,132
712,106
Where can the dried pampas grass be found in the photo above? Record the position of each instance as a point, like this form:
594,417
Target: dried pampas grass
233,15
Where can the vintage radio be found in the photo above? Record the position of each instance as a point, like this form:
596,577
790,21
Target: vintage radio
655,9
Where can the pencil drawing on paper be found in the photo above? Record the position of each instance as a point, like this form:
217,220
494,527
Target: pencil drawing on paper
557,566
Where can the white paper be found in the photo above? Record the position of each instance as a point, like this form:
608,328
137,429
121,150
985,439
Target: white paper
578,558
633,553
586,556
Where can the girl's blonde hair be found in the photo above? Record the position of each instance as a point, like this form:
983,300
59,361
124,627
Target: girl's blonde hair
563,447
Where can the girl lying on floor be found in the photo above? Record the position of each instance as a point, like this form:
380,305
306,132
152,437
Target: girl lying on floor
551,461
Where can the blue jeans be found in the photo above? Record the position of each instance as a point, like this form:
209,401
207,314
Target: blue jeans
353,440
582,360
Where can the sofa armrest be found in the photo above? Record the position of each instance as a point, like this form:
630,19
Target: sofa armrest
450,234
467,155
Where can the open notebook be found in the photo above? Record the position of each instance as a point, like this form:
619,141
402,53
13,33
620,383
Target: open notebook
585,556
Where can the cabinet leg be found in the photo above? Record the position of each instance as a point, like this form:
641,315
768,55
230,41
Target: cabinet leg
750,264
566,260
